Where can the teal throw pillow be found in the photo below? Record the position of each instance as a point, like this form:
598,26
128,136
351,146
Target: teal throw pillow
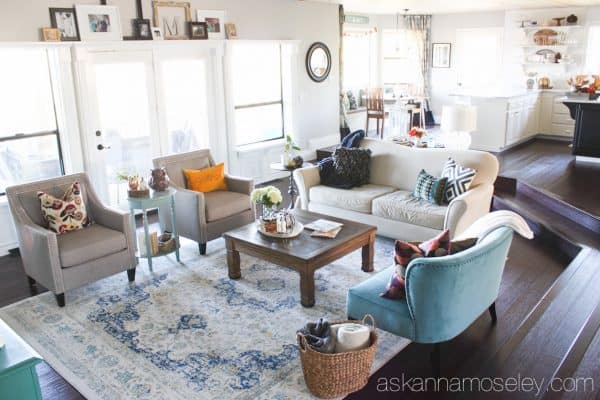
430,188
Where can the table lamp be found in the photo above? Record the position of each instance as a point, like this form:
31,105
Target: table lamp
458,121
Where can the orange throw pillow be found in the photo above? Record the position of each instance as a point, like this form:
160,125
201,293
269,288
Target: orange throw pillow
207,179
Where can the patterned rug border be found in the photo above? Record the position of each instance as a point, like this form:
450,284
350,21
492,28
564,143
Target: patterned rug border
80,384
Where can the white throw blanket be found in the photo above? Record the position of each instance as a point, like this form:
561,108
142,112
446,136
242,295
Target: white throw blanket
486,224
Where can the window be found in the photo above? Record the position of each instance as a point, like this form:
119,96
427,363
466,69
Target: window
400,58
479,56
257,92
359,56
592,62
29,140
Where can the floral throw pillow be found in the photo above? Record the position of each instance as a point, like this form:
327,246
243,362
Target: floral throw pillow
66,214
408,251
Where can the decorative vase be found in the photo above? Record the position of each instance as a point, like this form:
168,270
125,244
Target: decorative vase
158,181
417,141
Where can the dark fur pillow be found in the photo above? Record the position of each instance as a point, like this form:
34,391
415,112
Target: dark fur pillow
352,166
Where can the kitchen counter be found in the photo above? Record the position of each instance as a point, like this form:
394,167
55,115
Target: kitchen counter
503,93
586,141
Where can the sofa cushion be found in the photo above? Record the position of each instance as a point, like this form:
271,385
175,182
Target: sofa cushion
391,315
430,188
91,243
223,204
357,199
403,206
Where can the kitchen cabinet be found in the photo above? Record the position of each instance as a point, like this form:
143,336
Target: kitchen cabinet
554,116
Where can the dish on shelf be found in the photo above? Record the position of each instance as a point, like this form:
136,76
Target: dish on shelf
545,37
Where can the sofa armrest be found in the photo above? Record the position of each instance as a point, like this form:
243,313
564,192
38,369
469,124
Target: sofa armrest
468,207
239,184
306,178
39,250
112,218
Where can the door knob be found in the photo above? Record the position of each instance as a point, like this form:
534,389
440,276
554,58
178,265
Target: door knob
102,147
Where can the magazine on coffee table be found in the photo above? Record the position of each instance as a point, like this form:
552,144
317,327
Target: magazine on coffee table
323,225
325,228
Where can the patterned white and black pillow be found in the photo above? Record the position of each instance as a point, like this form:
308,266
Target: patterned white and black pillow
459,179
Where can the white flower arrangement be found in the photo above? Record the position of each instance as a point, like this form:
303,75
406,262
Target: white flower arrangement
268,196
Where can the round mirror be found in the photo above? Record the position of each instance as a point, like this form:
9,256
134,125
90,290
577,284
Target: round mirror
318,62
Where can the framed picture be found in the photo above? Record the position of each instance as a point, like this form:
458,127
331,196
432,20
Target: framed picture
51,34
142,29
198,30
215,22
231,31
99,22
441,55
172,17
157,33
65,21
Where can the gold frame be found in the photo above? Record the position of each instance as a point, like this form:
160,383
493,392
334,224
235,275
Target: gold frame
156,5
47,32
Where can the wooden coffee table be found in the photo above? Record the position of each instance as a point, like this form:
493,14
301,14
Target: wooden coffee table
304,254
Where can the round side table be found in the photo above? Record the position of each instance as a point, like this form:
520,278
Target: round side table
156,200
292,189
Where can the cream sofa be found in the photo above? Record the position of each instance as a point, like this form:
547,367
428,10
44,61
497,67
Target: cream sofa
387,202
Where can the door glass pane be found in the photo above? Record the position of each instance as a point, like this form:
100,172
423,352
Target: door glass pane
256,72
257,124
26,101
185,91
123,114
28,159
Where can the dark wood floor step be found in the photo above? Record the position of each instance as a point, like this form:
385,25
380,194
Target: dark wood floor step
546,223
557,205
555,335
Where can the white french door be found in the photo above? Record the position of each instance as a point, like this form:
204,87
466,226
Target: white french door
139,104
121,134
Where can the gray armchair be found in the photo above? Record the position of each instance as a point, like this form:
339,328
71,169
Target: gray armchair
73,259
206,216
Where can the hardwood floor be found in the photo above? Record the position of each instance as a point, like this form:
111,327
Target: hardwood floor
549,165
548,308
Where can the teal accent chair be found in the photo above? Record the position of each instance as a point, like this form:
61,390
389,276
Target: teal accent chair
444,295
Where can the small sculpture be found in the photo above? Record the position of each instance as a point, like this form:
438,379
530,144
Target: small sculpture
298,161
159,180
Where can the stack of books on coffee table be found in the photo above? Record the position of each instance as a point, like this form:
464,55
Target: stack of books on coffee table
324,228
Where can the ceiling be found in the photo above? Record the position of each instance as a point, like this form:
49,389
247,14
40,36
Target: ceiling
451,6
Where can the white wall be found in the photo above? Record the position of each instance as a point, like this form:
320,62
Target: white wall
443,30
317,104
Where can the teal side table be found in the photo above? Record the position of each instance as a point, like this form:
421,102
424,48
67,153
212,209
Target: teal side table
18,378
156,200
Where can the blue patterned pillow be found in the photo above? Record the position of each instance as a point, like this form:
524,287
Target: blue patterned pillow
459,179
430,188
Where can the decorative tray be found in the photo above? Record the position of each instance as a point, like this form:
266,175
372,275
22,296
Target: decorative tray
298,228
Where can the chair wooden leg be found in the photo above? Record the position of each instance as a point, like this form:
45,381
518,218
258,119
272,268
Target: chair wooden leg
60,299
435,357
202,248
131,274
367,128
492,310
31,281
382,127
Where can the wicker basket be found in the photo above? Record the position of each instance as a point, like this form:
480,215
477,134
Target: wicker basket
168,246
333,375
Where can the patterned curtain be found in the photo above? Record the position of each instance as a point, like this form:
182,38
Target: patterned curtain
344,128
420,25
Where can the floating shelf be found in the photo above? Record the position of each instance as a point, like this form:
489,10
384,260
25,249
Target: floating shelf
552,46
556,28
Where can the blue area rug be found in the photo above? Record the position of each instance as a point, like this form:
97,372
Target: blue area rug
187,330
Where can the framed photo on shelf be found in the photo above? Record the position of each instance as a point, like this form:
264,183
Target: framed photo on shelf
172,17
98,22
51,34
198,30
142,29
441,55
65,21
231,31
215,22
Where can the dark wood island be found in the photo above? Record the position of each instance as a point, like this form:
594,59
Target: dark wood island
586,138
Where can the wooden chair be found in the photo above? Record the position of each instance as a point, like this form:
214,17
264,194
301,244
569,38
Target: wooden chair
375,109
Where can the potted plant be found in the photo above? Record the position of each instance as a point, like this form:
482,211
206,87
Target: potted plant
287,158
418,134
